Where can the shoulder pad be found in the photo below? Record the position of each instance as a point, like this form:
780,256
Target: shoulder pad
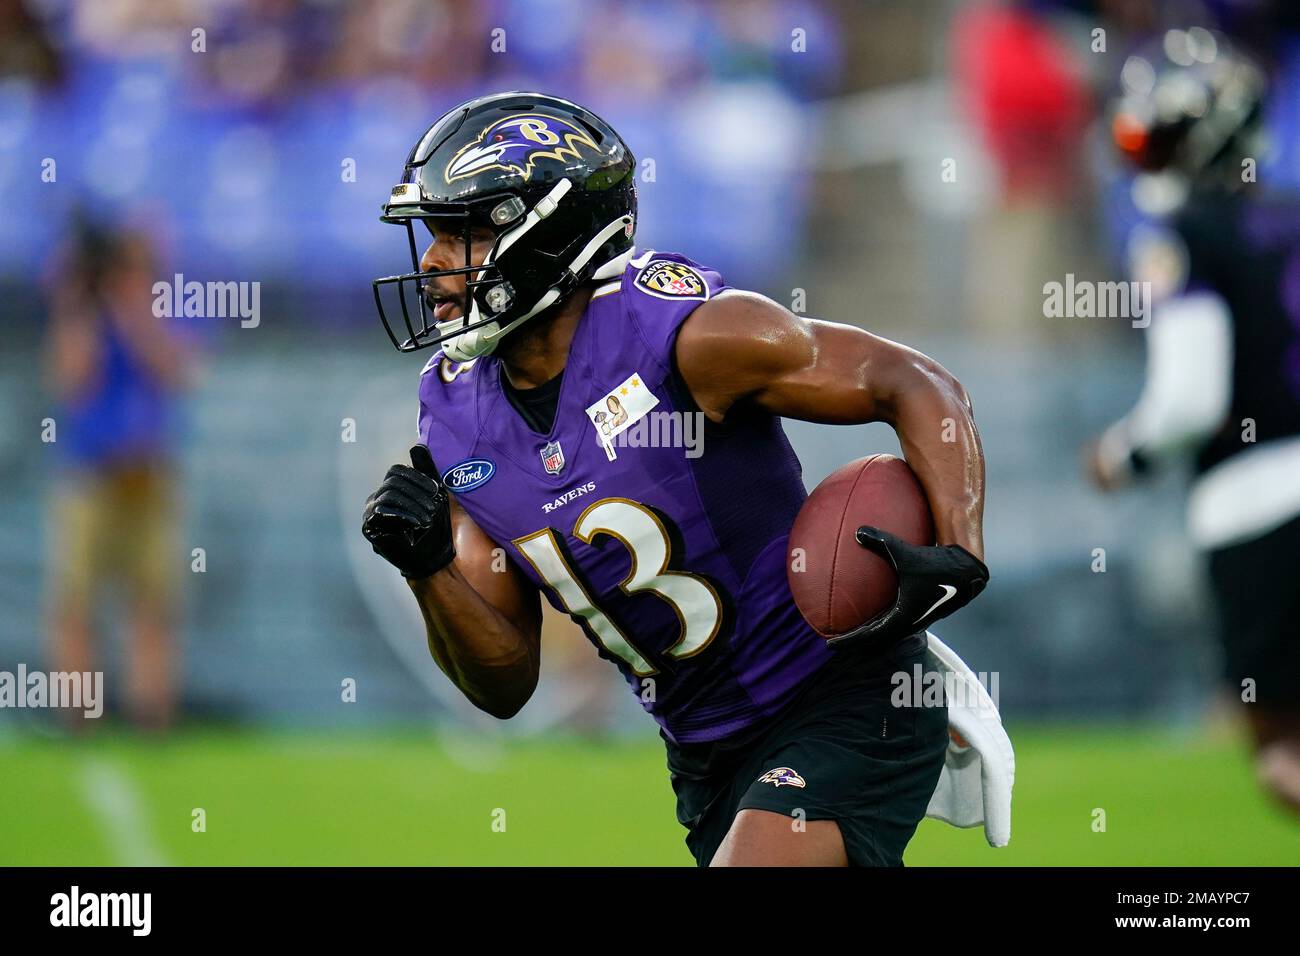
666,276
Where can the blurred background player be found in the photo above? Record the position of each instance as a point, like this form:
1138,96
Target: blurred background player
1223,359
115,370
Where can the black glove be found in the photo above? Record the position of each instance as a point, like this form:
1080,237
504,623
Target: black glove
933,581
408,520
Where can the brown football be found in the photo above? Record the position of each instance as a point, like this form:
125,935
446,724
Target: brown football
837,583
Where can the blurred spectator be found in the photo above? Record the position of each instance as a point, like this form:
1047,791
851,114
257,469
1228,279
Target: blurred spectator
329,95
25,50
115,370
1023,90
123,28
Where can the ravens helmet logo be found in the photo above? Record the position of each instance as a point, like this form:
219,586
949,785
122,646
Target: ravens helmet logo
516,143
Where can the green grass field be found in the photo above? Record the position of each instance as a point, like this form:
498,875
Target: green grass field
409,798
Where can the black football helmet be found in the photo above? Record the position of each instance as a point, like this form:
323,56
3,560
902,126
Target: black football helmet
553,183
1190,103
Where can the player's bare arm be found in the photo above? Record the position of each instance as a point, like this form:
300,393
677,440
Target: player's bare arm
483,625
744,347
483,620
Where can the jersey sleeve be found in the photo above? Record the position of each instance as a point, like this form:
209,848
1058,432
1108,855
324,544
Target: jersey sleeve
660,290
446,390
1188,382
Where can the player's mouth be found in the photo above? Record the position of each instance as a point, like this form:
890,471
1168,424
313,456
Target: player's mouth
445,308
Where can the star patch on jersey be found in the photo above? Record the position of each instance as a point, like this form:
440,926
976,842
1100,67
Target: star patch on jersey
782,777
672,280
616,412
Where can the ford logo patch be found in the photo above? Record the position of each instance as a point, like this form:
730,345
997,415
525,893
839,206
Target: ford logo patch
468,475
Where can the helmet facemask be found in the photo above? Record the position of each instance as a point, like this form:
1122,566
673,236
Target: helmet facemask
502,291
409,288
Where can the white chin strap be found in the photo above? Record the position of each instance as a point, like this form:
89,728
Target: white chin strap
481,341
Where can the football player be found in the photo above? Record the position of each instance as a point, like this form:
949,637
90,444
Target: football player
1223,361
781,749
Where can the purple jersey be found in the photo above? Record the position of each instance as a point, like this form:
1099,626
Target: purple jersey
662,535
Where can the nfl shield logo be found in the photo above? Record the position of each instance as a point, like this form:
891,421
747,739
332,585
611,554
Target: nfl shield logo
553,458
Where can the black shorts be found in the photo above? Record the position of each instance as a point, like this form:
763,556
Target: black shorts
840,750
1259,614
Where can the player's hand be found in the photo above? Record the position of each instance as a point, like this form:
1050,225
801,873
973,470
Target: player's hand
408,520
1103,470
933,581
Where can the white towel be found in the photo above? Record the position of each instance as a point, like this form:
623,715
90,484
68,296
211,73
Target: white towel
975,783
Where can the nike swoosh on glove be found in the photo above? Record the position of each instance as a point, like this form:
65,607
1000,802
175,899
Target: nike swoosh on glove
933,581
408,520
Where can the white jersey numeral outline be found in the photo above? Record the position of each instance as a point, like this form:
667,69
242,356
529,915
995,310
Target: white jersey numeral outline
693,599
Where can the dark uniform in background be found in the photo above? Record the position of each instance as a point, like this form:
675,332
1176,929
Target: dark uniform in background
1223,360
